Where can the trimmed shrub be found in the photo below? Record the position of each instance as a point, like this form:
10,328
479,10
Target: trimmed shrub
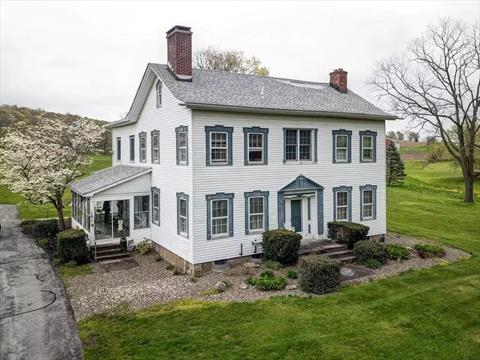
281,245
46,229
429,251
292,274
397,252
367,249
319,274
346,232
72,245
373,264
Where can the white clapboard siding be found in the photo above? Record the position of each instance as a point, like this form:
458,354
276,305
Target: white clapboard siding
167,176
274,176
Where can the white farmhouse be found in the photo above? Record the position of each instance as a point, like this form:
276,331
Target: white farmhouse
206,161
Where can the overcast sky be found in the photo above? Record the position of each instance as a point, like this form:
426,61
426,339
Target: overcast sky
87,58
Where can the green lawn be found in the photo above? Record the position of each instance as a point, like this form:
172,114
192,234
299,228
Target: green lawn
29,211
427,314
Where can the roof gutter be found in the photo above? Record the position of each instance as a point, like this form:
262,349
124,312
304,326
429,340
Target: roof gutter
246,109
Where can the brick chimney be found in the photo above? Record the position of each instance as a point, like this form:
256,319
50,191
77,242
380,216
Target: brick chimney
338,80
179,49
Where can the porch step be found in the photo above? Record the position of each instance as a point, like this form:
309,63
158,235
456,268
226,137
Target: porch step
335,251
112,256
109,252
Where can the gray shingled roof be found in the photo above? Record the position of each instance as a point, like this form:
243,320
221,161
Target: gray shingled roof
233,90
106,178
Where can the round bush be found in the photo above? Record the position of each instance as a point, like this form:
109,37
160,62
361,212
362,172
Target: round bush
72,245
45,229
319,274
367,249
348,233
281,245
397,252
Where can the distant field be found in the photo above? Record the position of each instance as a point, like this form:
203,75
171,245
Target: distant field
29,211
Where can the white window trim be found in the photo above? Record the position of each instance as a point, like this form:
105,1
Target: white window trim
250,214
185,147
214,236
156,221
368,204
297,145
341,148
213,162
131,146
341,206
367,148
255,148
183,233
155,148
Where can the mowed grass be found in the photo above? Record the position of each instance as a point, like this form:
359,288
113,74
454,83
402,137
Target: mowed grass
427,314
27,210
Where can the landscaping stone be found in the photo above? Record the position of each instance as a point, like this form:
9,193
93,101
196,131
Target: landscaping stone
151,283
221,286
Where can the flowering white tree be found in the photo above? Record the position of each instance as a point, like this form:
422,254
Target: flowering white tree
39,161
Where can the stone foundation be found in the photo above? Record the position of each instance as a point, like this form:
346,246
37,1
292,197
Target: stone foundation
379,237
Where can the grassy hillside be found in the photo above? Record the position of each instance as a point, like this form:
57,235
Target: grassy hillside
30,211
427,314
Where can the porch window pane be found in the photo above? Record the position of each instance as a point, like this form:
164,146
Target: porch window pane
103,220
141,213
121,218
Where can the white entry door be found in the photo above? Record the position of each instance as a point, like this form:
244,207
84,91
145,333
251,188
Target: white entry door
301,215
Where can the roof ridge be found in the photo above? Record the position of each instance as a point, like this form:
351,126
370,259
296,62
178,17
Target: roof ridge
254,75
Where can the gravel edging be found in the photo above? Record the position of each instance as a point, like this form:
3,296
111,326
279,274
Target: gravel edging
151,283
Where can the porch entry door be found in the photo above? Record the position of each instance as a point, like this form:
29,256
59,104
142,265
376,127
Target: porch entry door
296,214
112,219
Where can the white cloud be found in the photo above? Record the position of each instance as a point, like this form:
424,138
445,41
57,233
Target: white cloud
88,57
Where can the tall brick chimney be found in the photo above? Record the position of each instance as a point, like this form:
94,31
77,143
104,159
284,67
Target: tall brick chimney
338,80
179,49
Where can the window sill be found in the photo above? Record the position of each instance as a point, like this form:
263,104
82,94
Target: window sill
221,236
368,219
184,235
301,162
142,228
256,232
219,164
342,162
367,161
255,163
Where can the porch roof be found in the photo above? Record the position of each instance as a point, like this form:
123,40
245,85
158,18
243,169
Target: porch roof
107,178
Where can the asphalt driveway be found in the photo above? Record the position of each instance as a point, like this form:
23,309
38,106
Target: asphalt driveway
36,320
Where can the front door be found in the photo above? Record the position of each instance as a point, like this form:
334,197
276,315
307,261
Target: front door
296,211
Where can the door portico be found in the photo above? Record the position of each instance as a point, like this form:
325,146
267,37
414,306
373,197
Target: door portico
300,208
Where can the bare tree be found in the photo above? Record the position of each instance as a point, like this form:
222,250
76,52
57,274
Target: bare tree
436,84
228,60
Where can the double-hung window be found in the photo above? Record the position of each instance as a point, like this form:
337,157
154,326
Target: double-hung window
219,215
368,144
342,203
142,141
368,202
342,146
182,145
256,211
158,88
119,148
182,214
155,144
300,144
219,145
132,148
256,146
156,206
141,213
